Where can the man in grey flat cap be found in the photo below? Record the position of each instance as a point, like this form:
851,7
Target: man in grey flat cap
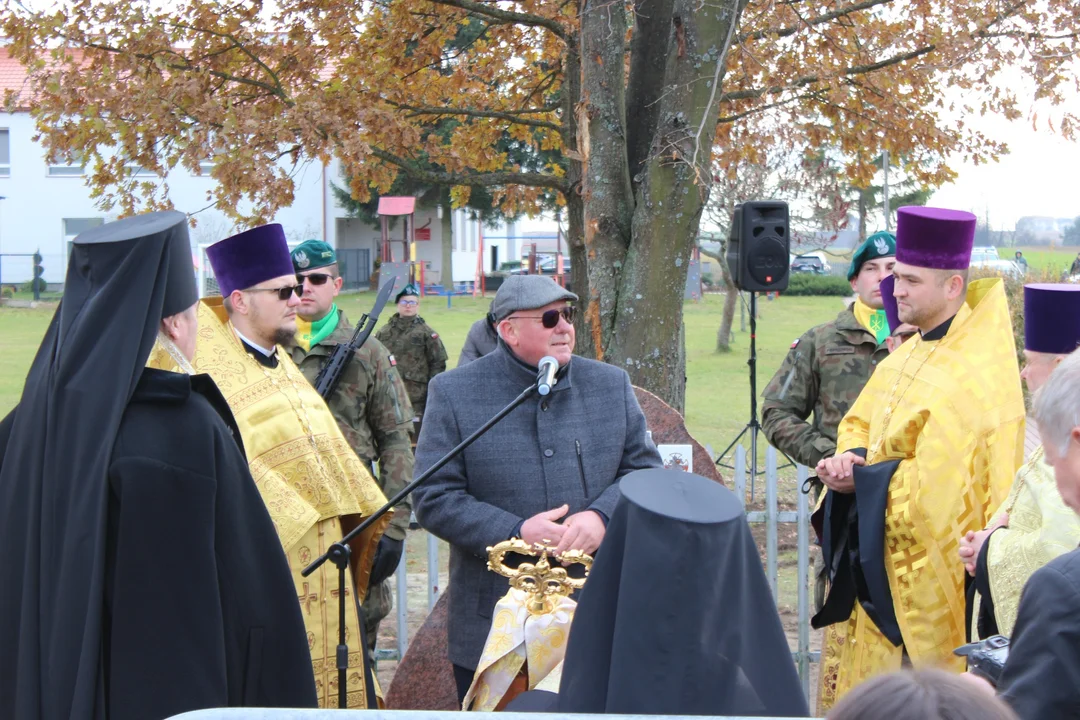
547,472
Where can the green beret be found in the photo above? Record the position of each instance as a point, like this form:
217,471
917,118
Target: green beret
879,245
312,254
409,289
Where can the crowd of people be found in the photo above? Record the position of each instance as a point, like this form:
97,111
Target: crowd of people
170,471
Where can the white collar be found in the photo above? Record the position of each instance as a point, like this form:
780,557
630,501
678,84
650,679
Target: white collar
260,348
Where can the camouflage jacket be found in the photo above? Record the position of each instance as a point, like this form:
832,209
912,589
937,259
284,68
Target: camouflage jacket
372,409
420,355
824,372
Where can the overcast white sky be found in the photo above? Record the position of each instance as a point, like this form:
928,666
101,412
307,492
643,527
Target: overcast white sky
1038,177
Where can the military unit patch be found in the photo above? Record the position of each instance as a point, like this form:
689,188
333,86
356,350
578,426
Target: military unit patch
795,343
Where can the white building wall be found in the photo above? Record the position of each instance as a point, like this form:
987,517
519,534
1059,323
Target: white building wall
36,204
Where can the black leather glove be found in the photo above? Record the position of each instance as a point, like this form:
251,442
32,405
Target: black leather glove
387,557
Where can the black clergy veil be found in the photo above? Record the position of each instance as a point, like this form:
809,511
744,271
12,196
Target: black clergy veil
55,446
676,617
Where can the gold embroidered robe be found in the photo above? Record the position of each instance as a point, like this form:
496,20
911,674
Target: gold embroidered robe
957,428
309,493
1041,527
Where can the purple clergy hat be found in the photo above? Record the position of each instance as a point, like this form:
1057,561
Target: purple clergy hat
1052,318
254,256
934,238
888,302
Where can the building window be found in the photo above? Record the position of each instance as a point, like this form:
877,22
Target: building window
206,167
140,171
73,227
5,152
76,168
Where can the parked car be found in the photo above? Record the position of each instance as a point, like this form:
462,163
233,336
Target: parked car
808,264
988,259
547,264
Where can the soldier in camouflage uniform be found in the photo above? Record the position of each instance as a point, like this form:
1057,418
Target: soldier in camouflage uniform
827,368
370,404
418,349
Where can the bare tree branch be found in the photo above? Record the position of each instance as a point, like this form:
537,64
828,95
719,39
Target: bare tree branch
815,79
483,179
769,106
276,91
507,16
811,22
513,117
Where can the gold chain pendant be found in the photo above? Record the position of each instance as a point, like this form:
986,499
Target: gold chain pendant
891,405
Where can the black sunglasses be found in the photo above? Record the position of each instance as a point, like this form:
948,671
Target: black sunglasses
283,293
315,278
550,318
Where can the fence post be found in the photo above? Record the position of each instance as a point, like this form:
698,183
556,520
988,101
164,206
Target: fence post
803,520
432,571
771,511
740,474
402,607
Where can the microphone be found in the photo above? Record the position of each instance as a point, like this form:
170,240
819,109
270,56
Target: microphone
545,379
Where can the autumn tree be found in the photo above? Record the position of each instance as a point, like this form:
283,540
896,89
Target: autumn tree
639,98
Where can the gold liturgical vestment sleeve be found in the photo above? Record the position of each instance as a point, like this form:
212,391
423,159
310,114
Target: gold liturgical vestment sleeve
1041,527
309,478
952,412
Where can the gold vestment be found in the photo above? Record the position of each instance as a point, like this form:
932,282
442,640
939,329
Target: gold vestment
309,479
1041,527
952,412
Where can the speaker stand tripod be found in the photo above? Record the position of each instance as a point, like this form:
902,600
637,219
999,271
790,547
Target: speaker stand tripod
753,426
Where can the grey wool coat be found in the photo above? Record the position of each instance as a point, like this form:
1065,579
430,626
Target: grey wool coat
570,447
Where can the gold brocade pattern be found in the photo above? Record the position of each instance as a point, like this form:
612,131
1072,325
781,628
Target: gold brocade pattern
1041,527
958,429
307,475
318,596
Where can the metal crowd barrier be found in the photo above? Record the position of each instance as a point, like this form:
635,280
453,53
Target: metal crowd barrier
771,516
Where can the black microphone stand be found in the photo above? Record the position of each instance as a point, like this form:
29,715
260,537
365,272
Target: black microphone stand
339,552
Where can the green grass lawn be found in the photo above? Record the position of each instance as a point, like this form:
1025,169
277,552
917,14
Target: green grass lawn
718,385
1042,257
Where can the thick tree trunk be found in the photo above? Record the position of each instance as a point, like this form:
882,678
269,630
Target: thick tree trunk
862,214
731,301
648,337
575,205
648,64
606,192
447,277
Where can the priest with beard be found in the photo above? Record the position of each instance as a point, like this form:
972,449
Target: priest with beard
926,454
143,577
312,482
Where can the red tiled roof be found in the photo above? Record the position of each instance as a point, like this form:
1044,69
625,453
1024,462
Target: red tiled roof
13,77
397,205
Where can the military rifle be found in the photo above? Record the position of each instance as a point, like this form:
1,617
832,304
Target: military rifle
329,376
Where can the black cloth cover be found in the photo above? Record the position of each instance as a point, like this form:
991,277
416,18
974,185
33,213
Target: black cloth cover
677,617
57,480
853,545
986,623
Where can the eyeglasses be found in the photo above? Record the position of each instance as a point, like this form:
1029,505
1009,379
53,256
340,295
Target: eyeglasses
408,303
283,293
550,318
315,278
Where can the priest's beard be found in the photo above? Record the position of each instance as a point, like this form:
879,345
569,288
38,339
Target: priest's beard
924,318
281,334
284,336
